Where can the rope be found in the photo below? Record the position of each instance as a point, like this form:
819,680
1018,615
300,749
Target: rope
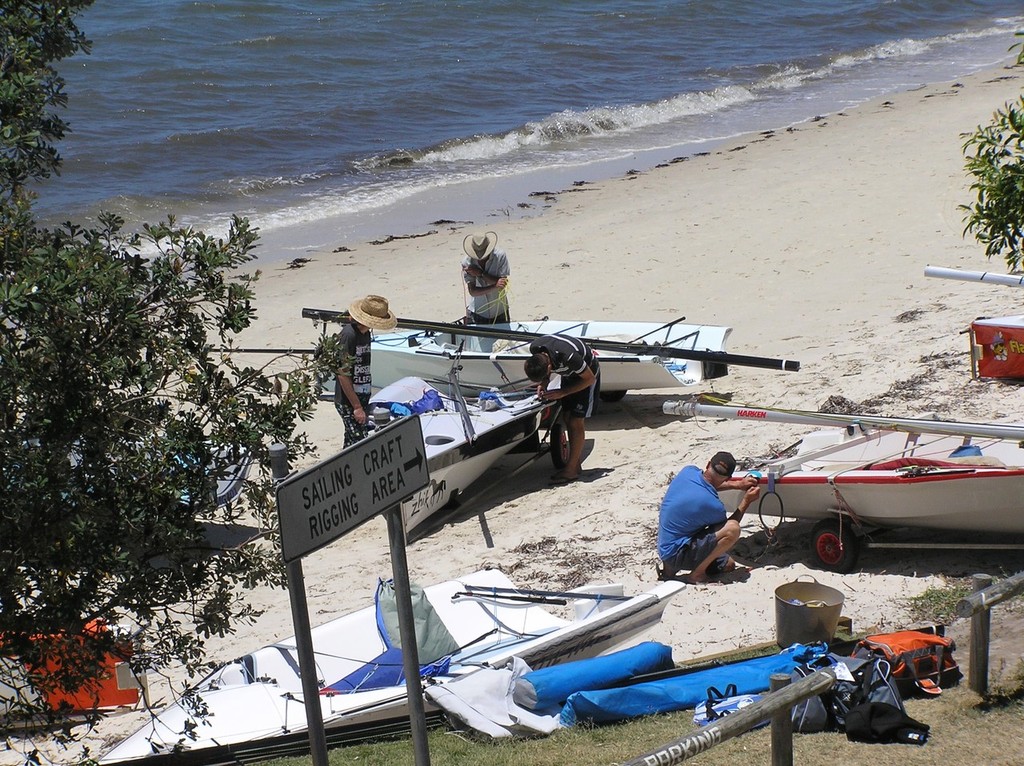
770,491
503,299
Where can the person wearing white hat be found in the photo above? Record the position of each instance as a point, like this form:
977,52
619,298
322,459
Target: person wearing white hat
485,270
352,377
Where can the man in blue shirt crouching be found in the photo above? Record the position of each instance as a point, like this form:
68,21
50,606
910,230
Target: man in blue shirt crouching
695,531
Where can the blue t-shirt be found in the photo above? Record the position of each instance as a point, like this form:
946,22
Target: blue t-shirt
690,504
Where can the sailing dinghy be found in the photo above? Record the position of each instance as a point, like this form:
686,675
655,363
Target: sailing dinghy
254,705
862,473
497,362
462,437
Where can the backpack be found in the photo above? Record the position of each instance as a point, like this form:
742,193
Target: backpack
879,722
922,661
858,680
720,704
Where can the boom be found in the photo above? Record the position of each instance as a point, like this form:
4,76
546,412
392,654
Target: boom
910,425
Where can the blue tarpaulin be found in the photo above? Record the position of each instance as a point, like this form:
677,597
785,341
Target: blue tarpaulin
546,690
685,691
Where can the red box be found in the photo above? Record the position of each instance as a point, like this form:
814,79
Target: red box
997,347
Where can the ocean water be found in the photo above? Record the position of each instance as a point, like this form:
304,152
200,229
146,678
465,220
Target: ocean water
347,121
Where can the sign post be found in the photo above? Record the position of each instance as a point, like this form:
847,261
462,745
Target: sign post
319,505
407,632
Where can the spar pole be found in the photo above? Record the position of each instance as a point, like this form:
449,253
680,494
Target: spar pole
1010,280
1011,432
640,349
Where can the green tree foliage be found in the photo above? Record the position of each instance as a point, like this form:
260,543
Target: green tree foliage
995,158
120,407
32,36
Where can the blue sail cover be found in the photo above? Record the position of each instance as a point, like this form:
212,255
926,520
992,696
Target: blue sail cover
683,692
545,690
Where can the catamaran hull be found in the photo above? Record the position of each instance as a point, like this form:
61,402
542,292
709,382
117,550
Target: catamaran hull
255,703
454,470
489,363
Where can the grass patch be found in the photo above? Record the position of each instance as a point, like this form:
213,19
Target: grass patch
992,732
938,604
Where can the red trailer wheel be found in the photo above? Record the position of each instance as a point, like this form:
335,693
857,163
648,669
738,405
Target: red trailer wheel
835,546
559,445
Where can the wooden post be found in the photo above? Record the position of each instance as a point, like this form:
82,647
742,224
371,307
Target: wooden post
279,470
782,725
981,625
990,596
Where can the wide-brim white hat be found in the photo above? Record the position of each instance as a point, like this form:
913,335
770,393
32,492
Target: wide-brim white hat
479,246
373,312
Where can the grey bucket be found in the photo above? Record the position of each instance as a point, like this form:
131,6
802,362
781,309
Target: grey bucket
806,612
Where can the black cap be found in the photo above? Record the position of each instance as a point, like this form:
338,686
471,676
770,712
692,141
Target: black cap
723,463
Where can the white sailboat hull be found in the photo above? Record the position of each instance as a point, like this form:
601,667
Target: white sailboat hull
488,363
890,479
256,701
460,442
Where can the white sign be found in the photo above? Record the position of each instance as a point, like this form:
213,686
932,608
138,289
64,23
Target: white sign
335,496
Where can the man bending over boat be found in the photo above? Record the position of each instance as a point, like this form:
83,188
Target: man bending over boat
695,531
577,388
352,376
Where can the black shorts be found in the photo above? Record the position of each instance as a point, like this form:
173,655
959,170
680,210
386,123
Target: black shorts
583,404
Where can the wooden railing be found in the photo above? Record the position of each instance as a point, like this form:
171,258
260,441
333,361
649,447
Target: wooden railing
978,607
776,705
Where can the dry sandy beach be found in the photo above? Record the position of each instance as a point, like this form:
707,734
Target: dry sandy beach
810,242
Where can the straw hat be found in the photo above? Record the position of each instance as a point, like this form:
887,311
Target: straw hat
479,246
373,312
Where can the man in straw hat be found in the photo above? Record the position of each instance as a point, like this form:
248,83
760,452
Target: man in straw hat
485,270
695,531
577,388
352,377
